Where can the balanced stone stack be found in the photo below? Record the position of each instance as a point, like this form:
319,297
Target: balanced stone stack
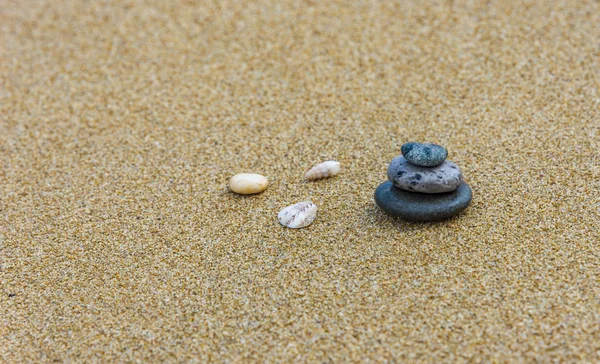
423,185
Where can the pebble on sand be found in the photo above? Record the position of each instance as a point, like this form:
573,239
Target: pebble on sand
248,183
412,206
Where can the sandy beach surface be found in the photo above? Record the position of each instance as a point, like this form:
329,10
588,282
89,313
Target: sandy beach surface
122,121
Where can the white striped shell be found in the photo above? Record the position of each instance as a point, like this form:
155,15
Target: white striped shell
298,215
323,170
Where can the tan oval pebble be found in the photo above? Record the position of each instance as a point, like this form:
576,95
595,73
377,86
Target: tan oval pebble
298,215
248,183
323,170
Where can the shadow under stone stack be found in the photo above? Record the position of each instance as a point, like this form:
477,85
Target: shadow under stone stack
423,185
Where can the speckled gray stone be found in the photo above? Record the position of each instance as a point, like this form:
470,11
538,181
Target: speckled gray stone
424,154
412,206
443,178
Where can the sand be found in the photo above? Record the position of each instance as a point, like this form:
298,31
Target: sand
121,123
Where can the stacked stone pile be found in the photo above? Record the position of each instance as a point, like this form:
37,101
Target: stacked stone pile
423,185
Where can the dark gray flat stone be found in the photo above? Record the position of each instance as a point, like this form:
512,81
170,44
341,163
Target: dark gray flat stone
413,206
424,154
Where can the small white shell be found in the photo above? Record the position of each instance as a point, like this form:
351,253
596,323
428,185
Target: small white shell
248,183
298,216
323,170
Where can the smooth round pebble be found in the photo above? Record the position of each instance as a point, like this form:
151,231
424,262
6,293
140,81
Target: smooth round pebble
298,215
424,154
412,206
443,178
248,183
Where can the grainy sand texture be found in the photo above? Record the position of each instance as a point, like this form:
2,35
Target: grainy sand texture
121,123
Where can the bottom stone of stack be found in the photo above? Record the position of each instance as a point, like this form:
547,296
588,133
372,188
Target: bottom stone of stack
414,206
